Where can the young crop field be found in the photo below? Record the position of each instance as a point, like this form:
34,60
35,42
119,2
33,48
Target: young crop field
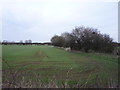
47,66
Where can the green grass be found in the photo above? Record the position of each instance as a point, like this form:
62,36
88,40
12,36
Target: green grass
52,63
119,47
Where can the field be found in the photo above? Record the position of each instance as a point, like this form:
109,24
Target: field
47,66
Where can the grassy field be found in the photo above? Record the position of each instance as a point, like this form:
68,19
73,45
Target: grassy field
47,66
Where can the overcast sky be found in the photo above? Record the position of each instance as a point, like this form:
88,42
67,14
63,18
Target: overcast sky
39,21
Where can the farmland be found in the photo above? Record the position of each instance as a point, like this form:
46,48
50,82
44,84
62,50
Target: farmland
55,67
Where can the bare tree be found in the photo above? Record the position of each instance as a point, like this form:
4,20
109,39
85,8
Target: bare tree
21,41
85,38
69,40
28,41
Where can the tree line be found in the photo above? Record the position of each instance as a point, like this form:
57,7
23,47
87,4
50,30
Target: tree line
26,42
84,39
